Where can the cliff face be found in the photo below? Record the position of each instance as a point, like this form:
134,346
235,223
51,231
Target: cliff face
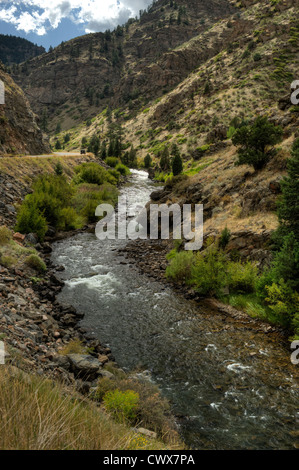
79,78
19,132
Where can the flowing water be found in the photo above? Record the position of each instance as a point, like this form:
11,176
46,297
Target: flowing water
235,387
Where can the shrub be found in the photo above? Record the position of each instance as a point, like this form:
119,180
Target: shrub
115,174
122,169
242,277
123,405
30,220
112,161
209,273
58,169
91,173
284,303
7,261
36,263
5,235
180,267
69,219
75,346
224,238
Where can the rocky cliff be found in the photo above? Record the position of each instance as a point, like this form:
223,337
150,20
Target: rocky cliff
19,132
78,79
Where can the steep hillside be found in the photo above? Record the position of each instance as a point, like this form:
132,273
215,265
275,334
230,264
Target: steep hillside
14,50
81,77
19,132
245,67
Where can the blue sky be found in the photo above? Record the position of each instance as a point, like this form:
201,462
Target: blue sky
48,23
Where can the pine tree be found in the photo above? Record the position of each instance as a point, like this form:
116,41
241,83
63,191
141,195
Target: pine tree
177,165
288,206
256,142
164,160
147,161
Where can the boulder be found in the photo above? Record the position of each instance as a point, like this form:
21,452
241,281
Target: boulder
84,366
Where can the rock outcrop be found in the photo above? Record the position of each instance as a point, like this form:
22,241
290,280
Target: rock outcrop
19,132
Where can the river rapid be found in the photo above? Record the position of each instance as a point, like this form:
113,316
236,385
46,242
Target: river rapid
233,387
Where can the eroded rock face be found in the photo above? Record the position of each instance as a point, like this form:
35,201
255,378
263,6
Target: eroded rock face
19,132
139,62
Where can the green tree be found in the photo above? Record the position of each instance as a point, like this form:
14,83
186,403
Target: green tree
147,161
165,160
288,205
58,145
256,142
177,165
94,145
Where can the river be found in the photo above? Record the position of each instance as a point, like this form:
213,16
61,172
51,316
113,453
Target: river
235,387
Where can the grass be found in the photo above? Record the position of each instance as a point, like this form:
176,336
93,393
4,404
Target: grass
37,414
14,255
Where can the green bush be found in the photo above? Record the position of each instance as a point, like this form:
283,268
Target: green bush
123,405
36,263
69,219
5,235
242,277
115,174
122,169
30,220
180,267
91,173
7,261
284,303
224,238
112,161
209,273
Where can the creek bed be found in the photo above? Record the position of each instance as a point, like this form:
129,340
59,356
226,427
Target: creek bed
235,388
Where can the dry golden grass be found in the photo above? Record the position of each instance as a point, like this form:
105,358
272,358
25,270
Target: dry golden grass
36,414
26,168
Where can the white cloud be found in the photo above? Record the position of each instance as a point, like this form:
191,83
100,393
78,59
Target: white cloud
38,16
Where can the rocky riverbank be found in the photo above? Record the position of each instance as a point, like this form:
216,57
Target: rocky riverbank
149,256
35,327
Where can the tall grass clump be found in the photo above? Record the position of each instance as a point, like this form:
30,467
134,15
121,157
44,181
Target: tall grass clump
37,414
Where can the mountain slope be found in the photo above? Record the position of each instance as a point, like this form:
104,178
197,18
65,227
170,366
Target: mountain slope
79,78
245,67
14,50
19,132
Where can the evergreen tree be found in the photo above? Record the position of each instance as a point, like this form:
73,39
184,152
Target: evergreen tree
111,148
256,142
147,161
164,160
58,128
177,165
288,206
132,157
103,151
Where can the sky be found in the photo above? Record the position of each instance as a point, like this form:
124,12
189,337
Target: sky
48,23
